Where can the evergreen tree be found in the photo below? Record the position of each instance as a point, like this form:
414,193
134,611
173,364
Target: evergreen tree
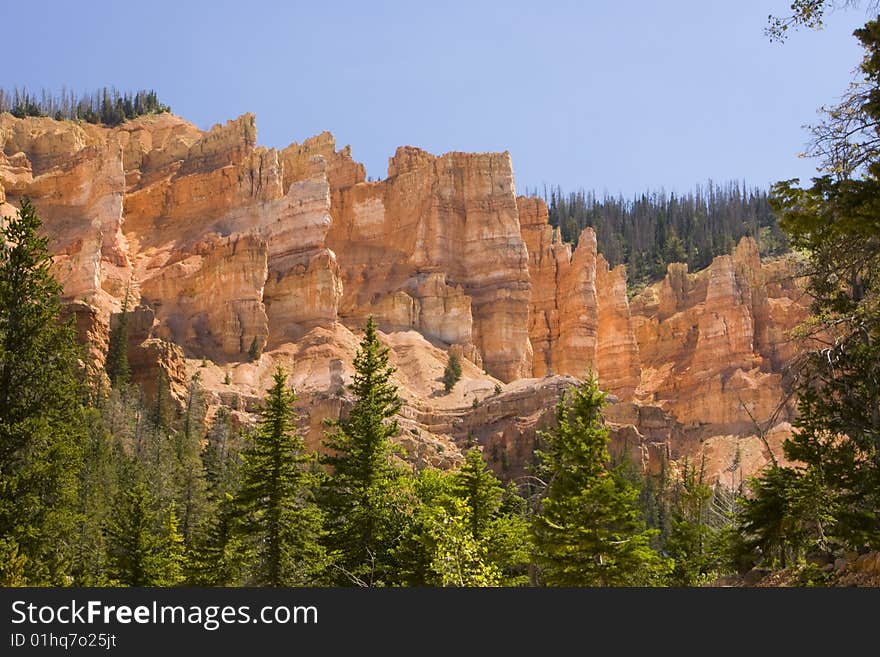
254,350
480,490
221,455
143,543
772,528
116,363
41,424
280,521
653,229
415,551
107,106
219,557
190,480
97,491
697,538
588,531
451,373
835,489
496,522
363,493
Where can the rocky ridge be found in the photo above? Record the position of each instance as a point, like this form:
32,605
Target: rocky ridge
226,248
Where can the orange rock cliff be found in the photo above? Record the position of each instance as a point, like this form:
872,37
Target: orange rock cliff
222,245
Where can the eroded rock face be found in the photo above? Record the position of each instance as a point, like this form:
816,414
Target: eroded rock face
238,258
617,352
455,214
579,317
713,354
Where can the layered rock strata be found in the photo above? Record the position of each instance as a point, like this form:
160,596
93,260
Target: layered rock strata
238,258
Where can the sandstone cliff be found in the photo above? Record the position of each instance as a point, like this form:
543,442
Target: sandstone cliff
237,258
579,316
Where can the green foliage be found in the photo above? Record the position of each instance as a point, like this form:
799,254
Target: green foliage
144,545
219,558
500,529
366,504
98,487
655,229
831,499
41,421
12,563
698,538
189,476
465,530
459,558
116,363
280,524
414,552
476,485
452,372
804,13
589,531
771,524
812,575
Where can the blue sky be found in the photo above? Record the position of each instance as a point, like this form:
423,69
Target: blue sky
608,95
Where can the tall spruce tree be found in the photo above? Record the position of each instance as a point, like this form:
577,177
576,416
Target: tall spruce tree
116,363
480,490
98,479
280,521
219,557
190,479
144,546
41,424
363,493
589,531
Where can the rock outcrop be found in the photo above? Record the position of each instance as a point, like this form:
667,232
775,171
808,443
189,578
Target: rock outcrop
237,258
708,346
578,314
439,232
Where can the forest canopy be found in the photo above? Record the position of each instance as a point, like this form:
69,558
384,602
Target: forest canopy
656,228
107,106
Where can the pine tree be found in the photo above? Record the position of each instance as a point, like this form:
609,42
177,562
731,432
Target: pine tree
362,496
279,519
190,480
97,490
696,540
218,559
221,557
480,490
41,424
589,531
221,455
452,372
501,532
116,363
143,544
